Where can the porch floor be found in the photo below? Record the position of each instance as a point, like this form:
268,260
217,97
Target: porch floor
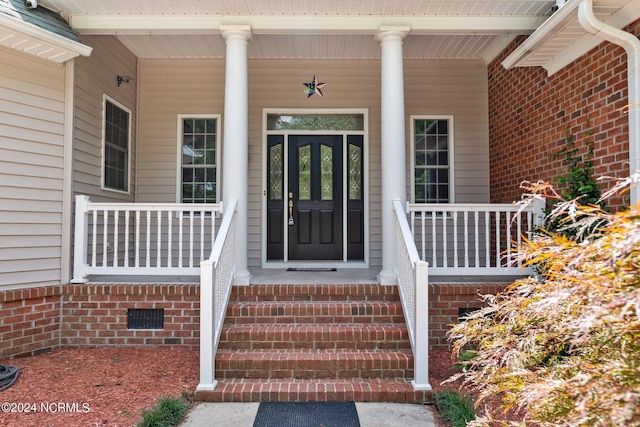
263,276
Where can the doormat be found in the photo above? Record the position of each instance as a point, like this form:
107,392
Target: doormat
308,414
312,269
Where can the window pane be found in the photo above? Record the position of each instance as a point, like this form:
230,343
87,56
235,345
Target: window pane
355,172
315,121
326,172
304,172
431,174
275,172
116,147
199,141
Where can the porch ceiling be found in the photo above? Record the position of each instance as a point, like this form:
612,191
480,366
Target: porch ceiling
453,29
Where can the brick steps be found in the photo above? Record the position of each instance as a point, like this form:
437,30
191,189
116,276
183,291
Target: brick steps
313,336
314,312
319,390
313,364
314,343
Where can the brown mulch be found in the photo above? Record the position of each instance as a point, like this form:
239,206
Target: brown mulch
110,386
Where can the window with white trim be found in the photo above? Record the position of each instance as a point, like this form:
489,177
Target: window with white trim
432,154
116,146
199,158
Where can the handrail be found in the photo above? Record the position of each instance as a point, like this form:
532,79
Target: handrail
412,278
216,276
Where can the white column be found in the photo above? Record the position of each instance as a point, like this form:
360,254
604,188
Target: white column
235,166
393,142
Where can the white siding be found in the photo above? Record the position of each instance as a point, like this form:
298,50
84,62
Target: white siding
31,170
96,76
169,87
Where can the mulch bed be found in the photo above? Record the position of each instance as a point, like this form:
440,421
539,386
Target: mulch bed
110,386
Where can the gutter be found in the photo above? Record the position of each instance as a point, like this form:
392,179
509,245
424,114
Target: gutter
631,45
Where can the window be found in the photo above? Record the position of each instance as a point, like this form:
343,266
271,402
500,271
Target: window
432,154
117,125
199,158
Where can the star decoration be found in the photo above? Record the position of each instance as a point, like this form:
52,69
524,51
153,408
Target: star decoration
314,87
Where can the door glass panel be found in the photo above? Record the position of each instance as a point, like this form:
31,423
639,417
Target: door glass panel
304,172
355,172
275,172
326,172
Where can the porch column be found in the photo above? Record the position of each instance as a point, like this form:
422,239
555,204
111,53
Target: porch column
393,163
235,166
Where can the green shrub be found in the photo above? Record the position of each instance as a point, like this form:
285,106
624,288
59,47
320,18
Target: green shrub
167,413
455,408
563,347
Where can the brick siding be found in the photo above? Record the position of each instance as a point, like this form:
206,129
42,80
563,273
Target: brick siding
531,113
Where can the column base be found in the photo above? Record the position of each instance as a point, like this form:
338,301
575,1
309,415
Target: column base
243,278
386,278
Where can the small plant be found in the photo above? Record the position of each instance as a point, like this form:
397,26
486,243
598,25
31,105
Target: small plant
455,408
167,413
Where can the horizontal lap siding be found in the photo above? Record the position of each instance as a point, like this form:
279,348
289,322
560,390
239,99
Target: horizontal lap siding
169,87
95,76
31,170
457,88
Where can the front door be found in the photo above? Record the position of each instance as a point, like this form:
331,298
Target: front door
315,197
315,208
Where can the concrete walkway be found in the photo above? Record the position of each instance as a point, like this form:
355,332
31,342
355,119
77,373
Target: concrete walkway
370,414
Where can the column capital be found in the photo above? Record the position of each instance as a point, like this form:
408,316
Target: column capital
393,32
242,32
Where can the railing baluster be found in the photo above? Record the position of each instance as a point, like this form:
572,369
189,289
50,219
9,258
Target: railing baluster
116,218
169,239
466,238
105,236
159,240
127,214
476,218
191,239
180,233
148,254
487,239
508,242
497,238
434,239
455,239
94,244
137,241
445,264
423,231
202,219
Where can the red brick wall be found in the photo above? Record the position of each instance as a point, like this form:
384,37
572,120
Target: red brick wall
531,113
446,299
29,320
37,319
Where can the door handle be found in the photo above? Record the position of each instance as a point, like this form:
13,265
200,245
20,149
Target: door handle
291,222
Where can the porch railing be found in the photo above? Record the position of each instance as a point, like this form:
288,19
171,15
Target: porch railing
216,277
142,238
472,239
412,278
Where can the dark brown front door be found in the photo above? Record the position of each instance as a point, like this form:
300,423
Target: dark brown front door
315,197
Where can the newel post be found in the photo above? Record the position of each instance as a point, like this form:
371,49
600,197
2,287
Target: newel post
79,240
207,316
421,348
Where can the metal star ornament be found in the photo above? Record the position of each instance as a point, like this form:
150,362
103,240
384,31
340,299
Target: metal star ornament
314,87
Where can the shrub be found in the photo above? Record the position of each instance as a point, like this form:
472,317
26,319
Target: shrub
167,413
455,408
563,348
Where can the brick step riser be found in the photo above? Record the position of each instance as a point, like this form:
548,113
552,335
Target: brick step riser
296,313
395,391
314,365
260,337
314,293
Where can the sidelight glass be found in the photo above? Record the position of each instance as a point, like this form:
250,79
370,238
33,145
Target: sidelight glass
304,172
326,172
275,172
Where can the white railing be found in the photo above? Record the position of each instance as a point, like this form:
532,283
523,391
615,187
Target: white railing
473,239
412,278
216,277
142,238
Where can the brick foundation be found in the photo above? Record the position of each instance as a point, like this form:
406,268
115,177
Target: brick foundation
38,319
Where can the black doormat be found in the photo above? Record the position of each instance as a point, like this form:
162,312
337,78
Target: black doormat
312,269
307,414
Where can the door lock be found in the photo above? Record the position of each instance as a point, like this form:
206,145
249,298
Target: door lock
291,222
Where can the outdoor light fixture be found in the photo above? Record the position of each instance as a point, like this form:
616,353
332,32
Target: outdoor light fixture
124,79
